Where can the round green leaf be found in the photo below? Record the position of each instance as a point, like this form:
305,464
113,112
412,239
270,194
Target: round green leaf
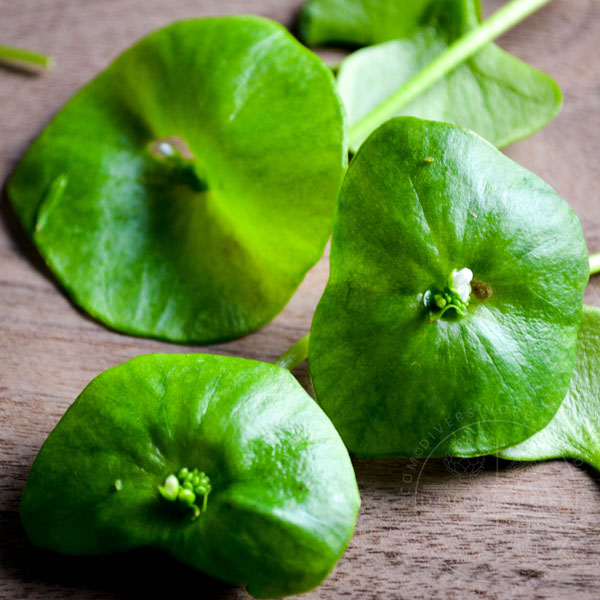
204,238
398,376
284,499
574,432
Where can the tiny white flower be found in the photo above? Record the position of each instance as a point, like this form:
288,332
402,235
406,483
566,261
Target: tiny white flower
461,283
172,483
170,489
166,149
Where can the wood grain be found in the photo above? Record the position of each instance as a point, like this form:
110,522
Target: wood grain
427,529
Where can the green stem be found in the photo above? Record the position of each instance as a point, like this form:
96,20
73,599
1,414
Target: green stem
20,55
501,21
295,355
594,264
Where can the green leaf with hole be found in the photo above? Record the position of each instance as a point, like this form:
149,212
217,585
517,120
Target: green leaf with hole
574,432
493,93
224,463
449,322
184,192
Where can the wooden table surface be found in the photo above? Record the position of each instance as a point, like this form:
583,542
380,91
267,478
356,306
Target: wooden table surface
428,529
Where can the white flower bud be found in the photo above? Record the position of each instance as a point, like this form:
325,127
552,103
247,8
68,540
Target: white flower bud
461,283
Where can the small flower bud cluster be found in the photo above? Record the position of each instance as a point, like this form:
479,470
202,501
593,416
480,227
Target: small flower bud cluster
455,295
186,487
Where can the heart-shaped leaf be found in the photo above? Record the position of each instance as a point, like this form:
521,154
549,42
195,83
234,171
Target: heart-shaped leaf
204,237
407,356
225,463
574,432
493,93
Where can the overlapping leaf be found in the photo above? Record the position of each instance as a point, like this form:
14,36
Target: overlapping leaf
574,432
420,200
493,93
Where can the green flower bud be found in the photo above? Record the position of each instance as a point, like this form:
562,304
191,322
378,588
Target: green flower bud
187,497
170,489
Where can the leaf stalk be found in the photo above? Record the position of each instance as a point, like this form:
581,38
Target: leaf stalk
501,21
594,264
295,355
28,57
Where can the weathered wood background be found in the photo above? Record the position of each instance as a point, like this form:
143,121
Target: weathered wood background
432,529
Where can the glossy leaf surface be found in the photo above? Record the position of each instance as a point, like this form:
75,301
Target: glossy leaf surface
420,200
494,93
284,499
204,244
574,432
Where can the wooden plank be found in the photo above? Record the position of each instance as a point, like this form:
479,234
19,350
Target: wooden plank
427,529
